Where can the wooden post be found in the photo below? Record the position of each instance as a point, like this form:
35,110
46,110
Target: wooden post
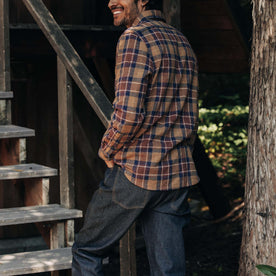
5,80
66,156
128,254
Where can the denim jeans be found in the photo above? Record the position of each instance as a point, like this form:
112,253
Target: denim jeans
114,207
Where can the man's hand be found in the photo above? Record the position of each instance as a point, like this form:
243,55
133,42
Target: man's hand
109,163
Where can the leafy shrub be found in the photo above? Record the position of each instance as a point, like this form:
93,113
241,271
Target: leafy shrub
223,131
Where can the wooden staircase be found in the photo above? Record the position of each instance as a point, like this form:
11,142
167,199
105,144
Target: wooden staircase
55,222
35,178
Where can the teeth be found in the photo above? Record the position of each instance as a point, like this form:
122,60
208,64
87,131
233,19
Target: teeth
117,12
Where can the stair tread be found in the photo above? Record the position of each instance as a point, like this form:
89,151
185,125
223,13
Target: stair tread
12,131
33,214
6,95
30,170
36,261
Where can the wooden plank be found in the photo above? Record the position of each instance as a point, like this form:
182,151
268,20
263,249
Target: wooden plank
66,150
91,28
57,237
35,262
34,214
71,60
5,77
6,95
128,254
25,171
66,145
37,191
9,149
12,131
5,84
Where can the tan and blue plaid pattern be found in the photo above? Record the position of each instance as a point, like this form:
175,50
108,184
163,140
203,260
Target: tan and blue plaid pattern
154,123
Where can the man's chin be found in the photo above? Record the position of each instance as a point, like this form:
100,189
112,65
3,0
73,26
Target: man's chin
119,24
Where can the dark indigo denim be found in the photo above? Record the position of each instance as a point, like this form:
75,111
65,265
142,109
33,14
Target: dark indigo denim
115,206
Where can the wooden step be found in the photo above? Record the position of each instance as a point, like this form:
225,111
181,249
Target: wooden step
25,171
33,214
6,95
36,262
12,131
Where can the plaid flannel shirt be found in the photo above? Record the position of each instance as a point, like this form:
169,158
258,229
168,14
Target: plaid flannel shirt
154,123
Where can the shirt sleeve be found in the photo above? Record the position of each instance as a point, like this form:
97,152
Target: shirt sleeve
132,74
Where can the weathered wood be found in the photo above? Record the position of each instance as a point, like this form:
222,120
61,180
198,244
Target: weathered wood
127,253
6,95
68,27
12,131
26,171
10,151
57,238
66,150
35,262
5,84
5,77
34,214
71,59
37,191
66,147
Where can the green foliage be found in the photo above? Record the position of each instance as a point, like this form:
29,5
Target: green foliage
223,131
267,270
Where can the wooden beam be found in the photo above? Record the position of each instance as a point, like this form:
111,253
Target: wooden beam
66,144
5,77
71,60
5,84
127,253
66,150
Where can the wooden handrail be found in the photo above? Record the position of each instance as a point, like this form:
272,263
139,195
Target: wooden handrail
73,63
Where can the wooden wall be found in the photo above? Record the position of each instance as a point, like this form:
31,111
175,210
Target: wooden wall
216,39
66,12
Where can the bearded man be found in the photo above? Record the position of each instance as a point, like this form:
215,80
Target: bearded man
147,146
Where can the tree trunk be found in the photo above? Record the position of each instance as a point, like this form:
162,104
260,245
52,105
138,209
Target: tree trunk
259,232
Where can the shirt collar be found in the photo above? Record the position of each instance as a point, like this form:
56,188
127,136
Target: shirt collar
149,15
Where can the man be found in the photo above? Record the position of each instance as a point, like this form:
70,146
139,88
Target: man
147,146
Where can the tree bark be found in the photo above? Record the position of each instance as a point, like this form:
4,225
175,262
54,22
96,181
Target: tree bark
259,232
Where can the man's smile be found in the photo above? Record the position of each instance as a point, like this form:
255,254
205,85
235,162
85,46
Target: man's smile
117,10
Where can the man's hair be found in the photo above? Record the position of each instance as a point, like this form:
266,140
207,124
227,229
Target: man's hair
154,5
